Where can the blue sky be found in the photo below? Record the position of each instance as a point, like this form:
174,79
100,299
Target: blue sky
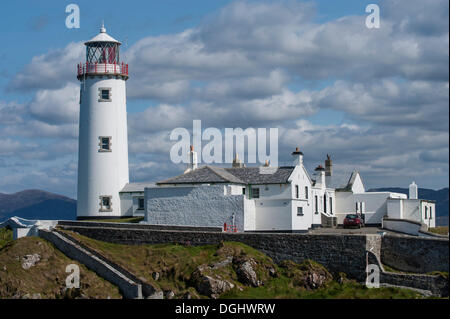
377,100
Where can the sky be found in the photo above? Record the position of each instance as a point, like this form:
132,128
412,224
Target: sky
375,99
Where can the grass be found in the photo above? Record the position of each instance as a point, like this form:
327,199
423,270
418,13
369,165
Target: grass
282,288
133,220
441,230
6,236
48,275
176,263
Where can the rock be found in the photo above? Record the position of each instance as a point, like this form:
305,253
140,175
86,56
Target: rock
222,263
36,296
170,294
4,268
308,274
314,280
26,296
246,273
29,261
209,285
187,295
156,295
273,273
155,275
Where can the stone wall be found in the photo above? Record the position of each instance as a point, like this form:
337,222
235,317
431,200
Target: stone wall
336,252
418,255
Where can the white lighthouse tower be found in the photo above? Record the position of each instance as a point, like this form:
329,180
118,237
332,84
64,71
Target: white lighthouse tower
103,145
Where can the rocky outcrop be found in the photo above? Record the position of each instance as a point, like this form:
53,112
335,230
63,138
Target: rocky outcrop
246,273
29,261
309,274
206,282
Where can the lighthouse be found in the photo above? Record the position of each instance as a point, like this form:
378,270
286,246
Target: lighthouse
103,144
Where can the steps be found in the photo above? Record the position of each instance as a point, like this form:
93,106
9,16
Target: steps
328,221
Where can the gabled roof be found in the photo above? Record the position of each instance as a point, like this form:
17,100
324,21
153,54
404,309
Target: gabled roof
136,187
351,181
236,175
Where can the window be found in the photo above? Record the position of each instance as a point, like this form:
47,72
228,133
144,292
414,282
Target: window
105,203
306,192
324,203
104,144
243,190
316,204
255,192
297,195
299,211
81,95
331,205
140,203
426,211
104,94
431,212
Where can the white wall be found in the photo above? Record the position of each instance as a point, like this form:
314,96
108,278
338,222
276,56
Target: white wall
102,173
402,226
273,214
193,206
375,205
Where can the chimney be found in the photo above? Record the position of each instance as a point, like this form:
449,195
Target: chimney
237,162
413,191
298,157
321,173
192,160
328,166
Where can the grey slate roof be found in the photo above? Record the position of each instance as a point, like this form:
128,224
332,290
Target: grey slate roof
241,175
136,187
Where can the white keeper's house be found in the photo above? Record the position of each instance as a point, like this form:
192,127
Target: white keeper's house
244,198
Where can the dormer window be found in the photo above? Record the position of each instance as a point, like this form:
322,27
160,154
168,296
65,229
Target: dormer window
104,94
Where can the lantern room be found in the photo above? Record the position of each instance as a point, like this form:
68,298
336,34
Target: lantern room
102,57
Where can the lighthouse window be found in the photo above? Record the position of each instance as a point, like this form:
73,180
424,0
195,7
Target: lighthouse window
105,144
105,203
104,94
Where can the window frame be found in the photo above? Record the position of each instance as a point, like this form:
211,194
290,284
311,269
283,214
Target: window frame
107,208
100,94
253,192
139,199
100,144
300,211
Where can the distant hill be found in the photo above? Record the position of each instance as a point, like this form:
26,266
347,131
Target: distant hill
37,204
440,196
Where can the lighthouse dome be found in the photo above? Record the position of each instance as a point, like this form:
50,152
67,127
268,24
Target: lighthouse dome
102,37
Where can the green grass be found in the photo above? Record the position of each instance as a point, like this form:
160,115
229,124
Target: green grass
176,263
441,230
133,220
48,275
282,288
6,236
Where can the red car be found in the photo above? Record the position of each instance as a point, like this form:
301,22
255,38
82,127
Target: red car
353,220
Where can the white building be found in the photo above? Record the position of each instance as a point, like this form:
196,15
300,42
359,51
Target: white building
288,199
